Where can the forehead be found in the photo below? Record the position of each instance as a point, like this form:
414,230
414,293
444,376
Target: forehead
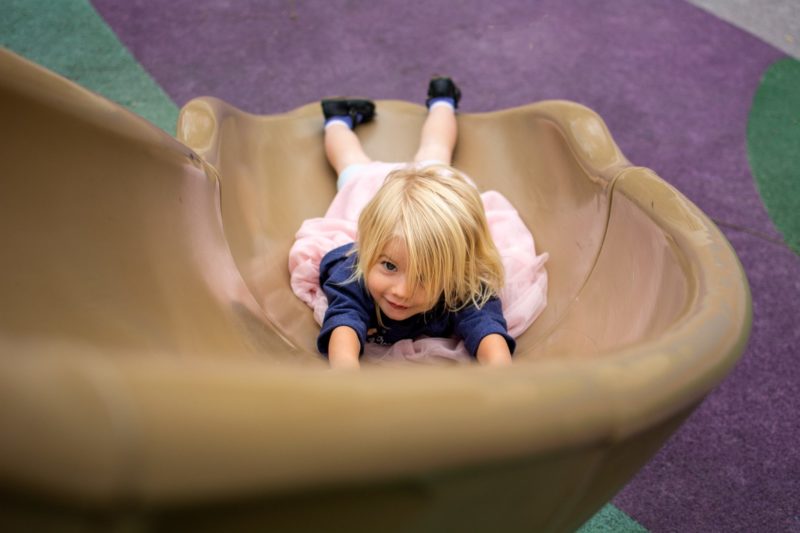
395,249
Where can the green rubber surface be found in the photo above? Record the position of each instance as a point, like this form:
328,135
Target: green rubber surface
70,38
773,146
611,520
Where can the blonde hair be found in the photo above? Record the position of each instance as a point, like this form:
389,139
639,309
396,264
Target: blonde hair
440,218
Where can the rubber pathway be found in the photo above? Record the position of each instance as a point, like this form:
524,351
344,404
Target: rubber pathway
775,21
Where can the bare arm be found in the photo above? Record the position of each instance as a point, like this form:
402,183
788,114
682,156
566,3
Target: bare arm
493,350
343,348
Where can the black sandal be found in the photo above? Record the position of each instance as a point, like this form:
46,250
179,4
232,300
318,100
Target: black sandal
359,111
442,87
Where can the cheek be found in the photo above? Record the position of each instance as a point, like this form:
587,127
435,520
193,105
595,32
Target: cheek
374,282
425,302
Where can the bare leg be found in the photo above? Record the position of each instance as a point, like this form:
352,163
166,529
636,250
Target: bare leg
343,147
439,135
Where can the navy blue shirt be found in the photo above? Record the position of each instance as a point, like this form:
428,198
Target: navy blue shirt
350,304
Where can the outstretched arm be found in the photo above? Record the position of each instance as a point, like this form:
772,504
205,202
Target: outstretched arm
343,348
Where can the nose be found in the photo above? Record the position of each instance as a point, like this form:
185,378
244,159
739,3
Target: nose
400,289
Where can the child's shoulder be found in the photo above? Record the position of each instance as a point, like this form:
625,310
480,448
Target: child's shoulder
338,264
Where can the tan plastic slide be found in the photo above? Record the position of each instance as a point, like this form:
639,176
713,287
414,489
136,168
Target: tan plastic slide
158,374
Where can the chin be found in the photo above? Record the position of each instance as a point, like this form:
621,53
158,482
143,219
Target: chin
395,314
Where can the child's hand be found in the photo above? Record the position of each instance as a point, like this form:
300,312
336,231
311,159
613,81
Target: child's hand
343,348
493,350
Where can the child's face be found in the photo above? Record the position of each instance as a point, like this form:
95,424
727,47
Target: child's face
388,284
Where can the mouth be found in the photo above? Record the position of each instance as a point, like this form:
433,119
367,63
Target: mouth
397,307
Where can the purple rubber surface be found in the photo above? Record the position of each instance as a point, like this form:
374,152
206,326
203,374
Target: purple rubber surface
673,83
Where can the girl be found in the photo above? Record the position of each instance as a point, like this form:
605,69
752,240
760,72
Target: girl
424,262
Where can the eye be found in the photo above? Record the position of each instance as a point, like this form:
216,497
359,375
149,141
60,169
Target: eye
389,266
